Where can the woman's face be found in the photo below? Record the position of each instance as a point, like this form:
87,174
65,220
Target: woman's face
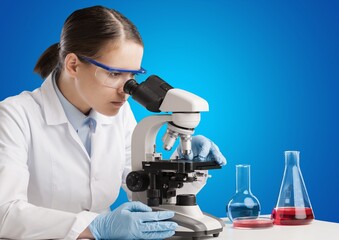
90,85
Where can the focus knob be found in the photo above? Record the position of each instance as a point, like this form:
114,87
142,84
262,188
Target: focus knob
137,181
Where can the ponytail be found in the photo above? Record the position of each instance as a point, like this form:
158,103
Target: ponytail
48,61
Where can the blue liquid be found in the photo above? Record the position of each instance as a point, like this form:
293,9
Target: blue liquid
241,210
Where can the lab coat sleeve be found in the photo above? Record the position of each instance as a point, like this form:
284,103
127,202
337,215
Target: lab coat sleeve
18,218
130,124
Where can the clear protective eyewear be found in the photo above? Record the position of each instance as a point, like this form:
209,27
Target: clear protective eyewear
112,77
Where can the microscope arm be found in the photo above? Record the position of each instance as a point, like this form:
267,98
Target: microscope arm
144,137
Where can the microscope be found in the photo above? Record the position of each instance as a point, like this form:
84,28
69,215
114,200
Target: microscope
157,182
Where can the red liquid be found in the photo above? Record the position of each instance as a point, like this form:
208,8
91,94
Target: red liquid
292,216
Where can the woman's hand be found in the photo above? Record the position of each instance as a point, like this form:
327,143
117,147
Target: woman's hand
203,149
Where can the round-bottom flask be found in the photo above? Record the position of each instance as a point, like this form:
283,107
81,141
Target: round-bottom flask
243,203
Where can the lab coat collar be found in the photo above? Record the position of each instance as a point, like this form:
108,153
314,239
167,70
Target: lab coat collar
54,112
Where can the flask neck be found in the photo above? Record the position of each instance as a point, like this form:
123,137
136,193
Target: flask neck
291,158
243,183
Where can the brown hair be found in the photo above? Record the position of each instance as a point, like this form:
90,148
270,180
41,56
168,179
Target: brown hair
84,32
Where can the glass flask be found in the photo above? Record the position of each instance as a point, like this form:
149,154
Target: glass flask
243,203
293,206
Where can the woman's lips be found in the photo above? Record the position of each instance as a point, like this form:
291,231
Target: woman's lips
118,104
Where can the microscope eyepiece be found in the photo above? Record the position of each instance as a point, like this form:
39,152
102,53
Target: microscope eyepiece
149,93
130,86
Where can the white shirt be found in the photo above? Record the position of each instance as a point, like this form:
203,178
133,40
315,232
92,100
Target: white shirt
49,186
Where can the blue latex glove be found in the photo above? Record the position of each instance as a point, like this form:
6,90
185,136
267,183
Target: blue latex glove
133,220
203,149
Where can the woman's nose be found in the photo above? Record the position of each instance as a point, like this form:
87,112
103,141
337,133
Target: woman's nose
122,93
121,89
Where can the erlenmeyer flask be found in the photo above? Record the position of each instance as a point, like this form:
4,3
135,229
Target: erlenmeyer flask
293,206
243,203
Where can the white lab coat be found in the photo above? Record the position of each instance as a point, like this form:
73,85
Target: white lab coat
49,187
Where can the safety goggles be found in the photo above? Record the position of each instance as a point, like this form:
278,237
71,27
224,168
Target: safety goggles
112,77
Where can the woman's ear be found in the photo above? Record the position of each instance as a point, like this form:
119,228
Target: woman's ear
71,64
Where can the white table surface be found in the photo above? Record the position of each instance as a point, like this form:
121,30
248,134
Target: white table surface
317,230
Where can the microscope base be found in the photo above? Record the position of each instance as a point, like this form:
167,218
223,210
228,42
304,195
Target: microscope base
192,222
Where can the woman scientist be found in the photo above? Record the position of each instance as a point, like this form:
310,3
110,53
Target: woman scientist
65,147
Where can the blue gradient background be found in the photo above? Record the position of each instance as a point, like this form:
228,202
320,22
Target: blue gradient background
269,70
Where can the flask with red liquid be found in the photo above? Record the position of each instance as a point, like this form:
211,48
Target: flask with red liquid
293,206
